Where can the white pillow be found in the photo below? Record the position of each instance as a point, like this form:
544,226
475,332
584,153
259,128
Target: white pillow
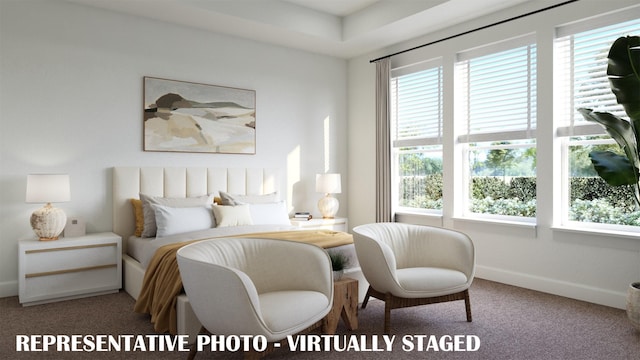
232,215
269,213
175,220
149,229
237,199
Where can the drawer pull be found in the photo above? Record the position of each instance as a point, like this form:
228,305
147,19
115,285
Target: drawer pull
66,271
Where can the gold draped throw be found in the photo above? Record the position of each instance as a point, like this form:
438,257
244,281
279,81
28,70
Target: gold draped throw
162,283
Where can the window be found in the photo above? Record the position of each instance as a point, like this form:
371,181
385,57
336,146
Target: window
581,81
416,115
496,105
469,121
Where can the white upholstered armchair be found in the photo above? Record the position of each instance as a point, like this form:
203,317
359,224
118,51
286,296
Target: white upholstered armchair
247,286
410,265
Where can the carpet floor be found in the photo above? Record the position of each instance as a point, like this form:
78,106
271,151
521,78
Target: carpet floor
508,323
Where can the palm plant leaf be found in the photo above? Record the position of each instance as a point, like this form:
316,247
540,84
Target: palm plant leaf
619,129
623,71
624,75
615,169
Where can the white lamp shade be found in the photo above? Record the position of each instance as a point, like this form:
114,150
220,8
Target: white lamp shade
328,183
48,188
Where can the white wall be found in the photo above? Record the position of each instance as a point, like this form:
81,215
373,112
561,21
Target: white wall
589,266
71,102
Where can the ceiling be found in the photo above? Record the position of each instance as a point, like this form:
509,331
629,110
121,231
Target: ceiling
335,7
341,28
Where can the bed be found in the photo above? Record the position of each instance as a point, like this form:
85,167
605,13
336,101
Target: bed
190,183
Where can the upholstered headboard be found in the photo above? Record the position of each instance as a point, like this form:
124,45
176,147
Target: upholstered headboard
129,182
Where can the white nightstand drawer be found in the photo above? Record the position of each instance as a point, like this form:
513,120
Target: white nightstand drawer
69,268
336,224
82,256
71,284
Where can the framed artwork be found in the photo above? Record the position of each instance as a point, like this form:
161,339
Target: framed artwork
184,116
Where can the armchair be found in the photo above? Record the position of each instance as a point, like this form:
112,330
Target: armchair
249,286
411,265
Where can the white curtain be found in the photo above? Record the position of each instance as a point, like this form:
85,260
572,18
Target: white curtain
383,142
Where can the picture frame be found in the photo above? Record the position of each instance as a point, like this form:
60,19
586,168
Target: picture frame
182,116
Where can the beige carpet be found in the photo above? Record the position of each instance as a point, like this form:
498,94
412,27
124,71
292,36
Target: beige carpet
510,322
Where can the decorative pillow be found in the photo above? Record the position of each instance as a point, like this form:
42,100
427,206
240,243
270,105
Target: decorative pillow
232,215
237,199
269,213
175,220
150,217
137,211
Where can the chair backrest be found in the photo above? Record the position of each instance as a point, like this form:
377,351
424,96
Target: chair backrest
223,278
267,262
407,245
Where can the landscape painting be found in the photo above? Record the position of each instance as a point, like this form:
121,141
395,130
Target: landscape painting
191,117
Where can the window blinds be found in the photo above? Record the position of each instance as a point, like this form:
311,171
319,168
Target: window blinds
416,108
581,65
496,93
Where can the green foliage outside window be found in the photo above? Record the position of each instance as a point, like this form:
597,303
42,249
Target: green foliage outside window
591,198
504,183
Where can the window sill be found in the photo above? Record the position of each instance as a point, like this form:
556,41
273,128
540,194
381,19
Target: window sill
574,229
427,213
519,223
419,217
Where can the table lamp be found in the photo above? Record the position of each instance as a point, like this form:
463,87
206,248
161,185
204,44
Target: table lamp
328,184
48,221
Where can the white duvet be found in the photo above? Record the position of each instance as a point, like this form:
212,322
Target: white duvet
143,249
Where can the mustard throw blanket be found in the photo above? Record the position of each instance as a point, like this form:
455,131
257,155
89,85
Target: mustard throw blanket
162,283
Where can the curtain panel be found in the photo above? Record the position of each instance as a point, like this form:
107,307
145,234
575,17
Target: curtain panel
383,141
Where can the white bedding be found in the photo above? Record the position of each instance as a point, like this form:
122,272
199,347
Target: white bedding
135,246
142,249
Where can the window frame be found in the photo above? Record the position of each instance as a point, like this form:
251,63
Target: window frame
568,128
467,138
548,135
415,142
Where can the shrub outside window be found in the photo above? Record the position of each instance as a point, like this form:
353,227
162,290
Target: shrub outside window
503,178
420,177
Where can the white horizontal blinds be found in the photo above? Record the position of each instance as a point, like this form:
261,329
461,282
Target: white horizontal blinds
416,108
581,66
497,92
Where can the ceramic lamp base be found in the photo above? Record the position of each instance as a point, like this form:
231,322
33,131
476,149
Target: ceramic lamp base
328,206
48,222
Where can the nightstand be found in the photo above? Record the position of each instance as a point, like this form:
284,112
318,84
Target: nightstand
69,268
337,224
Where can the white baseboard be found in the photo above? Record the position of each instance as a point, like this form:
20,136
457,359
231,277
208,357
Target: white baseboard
9,288
556,287
547,285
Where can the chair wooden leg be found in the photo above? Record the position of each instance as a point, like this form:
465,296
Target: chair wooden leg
192,352
194,349
467,305
387,313
257,355
252,355
366,298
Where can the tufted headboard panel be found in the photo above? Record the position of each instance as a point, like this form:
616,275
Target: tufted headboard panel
129,182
